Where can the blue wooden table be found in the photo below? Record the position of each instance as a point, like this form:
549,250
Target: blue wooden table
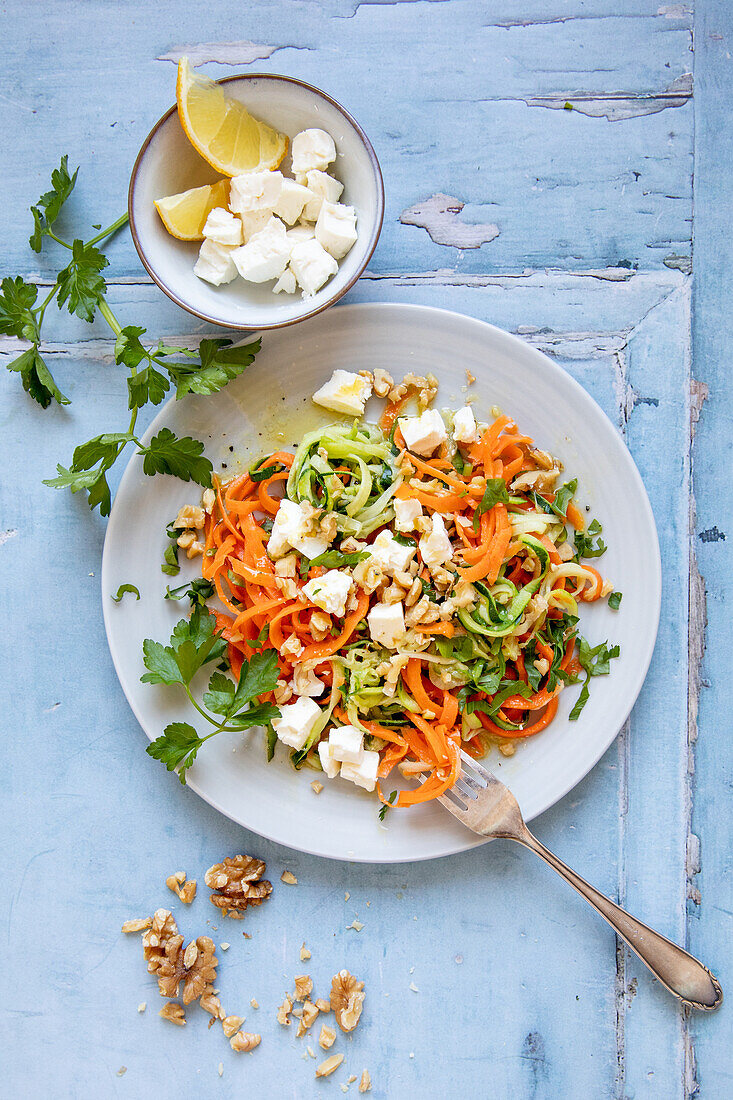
575,228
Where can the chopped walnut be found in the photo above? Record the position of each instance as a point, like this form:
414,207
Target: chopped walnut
426,387
305,954
283,692
185,891
208,500
195,967
284,1011
323,1005
188,891
231,1024
541,480
507,748
139,924
292,646
195,548
368,574
414,594
190,515
470,379
316,787
347,999
288,878
544,460
162,928
244,1041
174,1013
329,1066
286,566
607,589
320,624
383,382
327,1037
211,1004
308,1016
186,540
290,591
238,884
303,986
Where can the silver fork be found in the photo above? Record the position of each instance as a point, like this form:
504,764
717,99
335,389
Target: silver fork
482,803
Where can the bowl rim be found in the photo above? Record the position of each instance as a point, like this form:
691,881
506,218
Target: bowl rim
261,326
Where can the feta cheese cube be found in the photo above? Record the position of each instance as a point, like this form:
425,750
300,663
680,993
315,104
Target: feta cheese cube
336,228
292,199
406,512
435,547
391,555
344,393
265,255
252,223
301,232
215,263
223,227
312,149
330,591
364,774
464,426
286,283
255,191
305,682
387,624
312,265
322,186
292,530
296,722
329,765
346,744
422,434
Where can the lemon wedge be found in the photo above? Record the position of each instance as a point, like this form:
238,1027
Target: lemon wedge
184,215
222,130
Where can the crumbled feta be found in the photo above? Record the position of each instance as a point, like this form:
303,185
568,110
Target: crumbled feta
254,222
329,765
346,744
292,199
405,513
336,228
286,283
305,682
322,186
312,149
215,263
422,434
255,191
392,556
292,530
312,265
265,255
223,227
464,426
387,624
296,722
344,393
435,547
330,591
364,774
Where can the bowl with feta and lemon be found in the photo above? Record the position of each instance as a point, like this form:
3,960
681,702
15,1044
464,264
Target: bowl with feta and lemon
256,201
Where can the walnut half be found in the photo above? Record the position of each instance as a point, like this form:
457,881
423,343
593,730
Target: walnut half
238,884
195,967
347,999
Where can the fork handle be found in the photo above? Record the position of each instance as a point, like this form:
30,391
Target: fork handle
675,968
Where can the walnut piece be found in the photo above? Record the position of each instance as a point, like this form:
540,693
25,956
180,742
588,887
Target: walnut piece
211,1004
303,986
327,1037
304,954
195,967
185,891
162,928
323,1005
283,1011
307,1019
365,1085
139,924
347,999
190,515
231,1024
238,884
244,1041
174,1013
288,878
329,1066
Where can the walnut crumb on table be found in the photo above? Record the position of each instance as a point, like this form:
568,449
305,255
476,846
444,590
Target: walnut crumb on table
288,878
254,1003
303,986
347,999
244,1041
284,1011
238,884
365,1084
329,1066
304,953
174,1013
327,1037
140,924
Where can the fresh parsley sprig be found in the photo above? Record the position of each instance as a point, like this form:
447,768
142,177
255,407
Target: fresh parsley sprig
152,370
194,643
596,661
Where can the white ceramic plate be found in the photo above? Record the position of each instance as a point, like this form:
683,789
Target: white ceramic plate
270,406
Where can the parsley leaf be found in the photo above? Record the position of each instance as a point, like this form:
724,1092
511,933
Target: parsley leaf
332,559
258,676
16,308
584,547
176,748
81,283
220,363
126,588
563,496
193,644
261,715
386,806
128,349
147,385
596,661
270,742
103,448
494,493
198,591
220,696
614,600
167,454
37,378
47,210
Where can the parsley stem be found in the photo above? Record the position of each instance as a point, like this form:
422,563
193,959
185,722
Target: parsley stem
109,317
46,301
58,240
203,713
118,224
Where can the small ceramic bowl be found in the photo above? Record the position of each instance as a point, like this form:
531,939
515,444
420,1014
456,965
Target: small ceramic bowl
168,164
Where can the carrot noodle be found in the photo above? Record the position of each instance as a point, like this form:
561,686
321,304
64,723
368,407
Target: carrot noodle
489,671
